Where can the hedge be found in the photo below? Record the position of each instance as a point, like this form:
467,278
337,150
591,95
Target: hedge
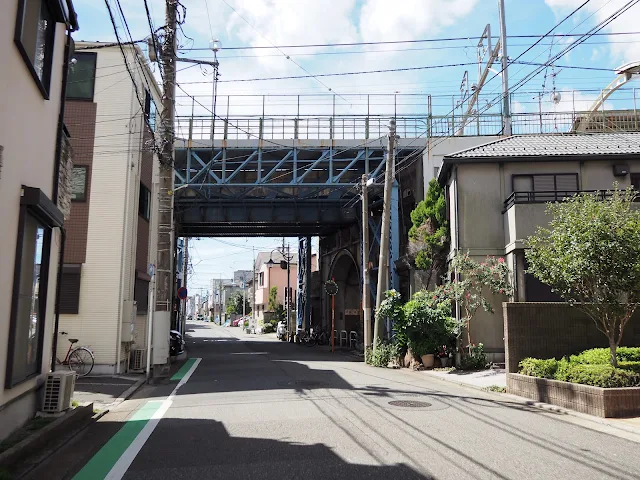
590,367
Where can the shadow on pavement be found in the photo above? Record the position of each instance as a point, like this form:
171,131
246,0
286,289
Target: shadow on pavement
220,455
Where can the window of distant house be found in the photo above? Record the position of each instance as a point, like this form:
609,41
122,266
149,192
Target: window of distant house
635,181
144,207
261,279
79,184
28,309
150,111
82,76
34,36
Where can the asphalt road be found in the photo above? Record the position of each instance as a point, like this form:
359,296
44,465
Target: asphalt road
256,408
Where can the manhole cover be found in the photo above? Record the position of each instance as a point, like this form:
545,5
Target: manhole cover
409,404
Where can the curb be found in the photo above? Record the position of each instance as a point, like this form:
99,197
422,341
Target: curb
547,407
124,395
75,420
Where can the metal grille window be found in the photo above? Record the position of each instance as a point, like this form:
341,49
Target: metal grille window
70,289
544,187
82,76
79,184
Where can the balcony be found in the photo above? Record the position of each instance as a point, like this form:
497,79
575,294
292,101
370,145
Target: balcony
518,198
524,212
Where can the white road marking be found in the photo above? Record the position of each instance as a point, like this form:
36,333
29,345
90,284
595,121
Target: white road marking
126,459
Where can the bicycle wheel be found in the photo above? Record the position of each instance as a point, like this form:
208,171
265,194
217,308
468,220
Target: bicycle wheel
81,361
311,341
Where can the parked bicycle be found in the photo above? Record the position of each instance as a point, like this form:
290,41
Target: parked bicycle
78,359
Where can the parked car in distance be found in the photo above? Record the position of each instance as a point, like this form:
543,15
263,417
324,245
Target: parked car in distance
201,318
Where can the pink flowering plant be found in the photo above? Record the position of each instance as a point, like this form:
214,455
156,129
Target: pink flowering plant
474,283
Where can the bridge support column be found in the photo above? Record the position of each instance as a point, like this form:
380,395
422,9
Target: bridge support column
303,303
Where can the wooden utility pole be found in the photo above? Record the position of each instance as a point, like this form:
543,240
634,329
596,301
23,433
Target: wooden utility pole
366,298
383,263
164,265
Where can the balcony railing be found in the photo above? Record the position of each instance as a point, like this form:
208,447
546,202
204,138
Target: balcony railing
548,196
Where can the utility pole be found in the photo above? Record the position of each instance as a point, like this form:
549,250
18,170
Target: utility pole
366,299
506,109
253,283
383,263
164,269
185,273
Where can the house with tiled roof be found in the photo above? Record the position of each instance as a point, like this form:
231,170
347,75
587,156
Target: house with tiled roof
497,195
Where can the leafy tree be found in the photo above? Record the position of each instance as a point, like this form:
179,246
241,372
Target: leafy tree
429,235
235,304
474,281
272,302
590,256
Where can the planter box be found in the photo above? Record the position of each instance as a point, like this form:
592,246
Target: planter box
601,402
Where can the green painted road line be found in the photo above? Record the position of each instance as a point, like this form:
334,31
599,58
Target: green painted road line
179,375
102,462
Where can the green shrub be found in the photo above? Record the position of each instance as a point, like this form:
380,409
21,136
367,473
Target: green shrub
268,328
475,360
631,366
536,367
602,356
604,376
381,355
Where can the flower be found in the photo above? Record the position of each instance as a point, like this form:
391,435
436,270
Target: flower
501,260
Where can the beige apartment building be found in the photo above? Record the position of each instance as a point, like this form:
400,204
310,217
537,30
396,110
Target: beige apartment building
497,195
35,163
112,228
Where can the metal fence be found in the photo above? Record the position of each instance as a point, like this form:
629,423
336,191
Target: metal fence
416,117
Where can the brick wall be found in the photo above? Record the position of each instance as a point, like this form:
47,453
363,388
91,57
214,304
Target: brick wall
546,330
80,119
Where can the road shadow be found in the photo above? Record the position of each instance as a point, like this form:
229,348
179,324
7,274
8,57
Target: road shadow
199,448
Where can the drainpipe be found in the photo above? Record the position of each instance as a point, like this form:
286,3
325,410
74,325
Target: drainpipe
56,325
54,196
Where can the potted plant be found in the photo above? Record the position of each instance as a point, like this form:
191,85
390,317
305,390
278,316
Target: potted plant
424,347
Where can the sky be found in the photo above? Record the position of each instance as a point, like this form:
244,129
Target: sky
289,23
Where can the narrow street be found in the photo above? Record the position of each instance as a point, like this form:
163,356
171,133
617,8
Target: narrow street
257,408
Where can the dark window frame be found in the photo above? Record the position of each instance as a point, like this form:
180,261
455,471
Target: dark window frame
141,294
11,380
634,180
554,175
44,84
150,119
144,208
261,279
93,77
70,306
86,182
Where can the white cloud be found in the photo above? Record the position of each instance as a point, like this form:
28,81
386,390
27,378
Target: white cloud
601,9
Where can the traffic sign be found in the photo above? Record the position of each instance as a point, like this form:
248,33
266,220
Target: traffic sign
182,293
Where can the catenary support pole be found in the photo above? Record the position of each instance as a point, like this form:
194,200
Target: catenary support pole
506,109
383,263
366,298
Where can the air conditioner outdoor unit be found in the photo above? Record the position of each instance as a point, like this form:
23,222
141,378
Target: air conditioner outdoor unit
138,356
58,389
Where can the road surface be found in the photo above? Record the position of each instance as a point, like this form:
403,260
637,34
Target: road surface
251,407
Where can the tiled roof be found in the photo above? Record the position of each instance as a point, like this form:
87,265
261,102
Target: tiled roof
555,145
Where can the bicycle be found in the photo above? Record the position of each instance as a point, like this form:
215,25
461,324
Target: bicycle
78,359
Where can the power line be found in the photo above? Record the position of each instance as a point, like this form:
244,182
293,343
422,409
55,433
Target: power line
396,42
